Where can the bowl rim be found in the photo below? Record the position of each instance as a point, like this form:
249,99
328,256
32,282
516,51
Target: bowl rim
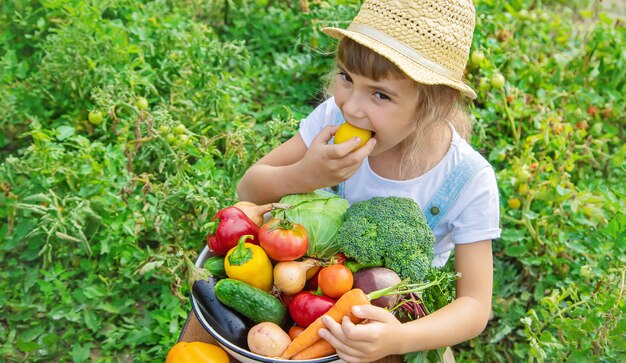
244,352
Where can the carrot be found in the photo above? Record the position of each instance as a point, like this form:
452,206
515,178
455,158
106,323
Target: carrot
320,348
342,308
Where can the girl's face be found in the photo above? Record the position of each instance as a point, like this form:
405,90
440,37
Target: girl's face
386,107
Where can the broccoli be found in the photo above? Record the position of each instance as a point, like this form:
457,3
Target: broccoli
390,232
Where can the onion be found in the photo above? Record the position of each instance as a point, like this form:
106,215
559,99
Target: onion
290,276
256,212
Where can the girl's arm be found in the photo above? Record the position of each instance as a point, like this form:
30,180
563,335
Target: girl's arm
461,320
274,175
294,168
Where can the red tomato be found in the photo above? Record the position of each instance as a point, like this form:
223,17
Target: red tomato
335,280
339,258
311,283
283,240
306,307
286,299
294,331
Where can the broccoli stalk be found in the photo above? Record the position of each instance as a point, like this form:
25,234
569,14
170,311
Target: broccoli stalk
390,232
355,266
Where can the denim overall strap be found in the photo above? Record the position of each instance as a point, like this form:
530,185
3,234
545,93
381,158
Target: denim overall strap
339,189
452,187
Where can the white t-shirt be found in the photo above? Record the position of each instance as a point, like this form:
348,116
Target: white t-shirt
474,217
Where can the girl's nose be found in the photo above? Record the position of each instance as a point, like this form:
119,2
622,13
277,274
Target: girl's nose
351,108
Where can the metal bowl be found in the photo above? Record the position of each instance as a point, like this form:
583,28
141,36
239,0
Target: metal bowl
240,354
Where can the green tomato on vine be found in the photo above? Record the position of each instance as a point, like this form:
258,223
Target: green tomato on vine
95,117
142,103
180,129
183,140
477,58
483,84
497,80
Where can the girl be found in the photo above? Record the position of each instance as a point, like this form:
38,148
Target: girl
399,74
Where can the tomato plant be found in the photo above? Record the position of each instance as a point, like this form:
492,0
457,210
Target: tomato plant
335,280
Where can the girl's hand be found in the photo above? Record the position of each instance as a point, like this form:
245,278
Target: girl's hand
326,164
363,342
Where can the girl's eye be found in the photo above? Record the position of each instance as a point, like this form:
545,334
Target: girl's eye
381,96
344,76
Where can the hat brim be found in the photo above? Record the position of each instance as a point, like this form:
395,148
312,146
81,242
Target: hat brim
416,71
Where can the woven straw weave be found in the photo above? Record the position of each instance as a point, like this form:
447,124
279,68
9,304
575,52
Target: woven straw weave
429,40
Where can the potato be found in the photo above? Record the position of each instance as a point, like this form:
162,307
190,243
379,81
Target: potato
268,339
376,278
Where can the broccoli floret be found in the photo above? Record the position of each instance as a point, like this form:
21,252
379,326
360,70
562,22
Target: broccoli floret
390,232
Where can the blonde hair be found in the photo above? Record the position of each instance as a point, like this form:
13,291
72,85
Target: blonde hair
436,105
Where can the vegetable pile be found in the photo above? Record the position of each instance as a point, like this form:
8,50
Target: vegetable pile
271,279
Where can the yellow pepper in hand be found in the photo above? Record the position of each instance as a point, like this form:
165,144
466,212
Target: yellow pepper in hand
248,262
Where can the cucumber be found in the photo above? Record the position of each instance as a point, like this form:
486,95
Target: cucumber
252,302
215,265
226,322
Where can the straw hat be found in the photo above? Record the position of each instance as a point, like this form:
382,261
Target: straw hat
429,40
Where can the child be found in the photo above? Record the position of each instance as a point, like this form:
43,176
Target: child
400,74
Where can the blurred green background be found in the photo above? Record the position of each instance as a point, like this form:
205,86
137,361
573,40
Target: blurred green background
126,124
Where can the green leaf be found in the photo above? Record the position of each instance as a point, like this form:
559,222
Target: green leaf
50,341
26,346
64,132
91,320
502,331
81,353
516,251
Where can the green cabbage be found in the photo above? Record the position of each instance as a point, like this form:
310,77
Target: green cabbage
320,212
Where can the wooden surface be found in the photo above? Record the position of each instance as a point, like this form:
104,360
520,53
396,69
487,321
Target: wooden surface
193,331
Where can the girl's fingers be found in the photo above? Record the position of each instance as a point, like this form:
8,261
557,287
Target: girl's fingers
373,313
345,332
339,151
338,341
325,135
366,149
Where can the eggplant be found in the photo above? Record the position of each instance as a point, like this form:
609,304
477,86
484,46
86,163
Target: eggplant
225,321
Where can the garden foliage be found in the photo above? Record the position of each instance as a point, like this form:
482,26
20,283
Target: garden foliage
97,211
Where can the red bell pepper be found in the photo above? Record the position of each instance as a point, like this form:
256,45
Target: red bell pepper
227,227
305,307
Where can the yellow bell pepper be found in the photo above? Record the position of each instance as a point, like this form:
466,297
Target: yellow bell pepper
248,262
192,352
